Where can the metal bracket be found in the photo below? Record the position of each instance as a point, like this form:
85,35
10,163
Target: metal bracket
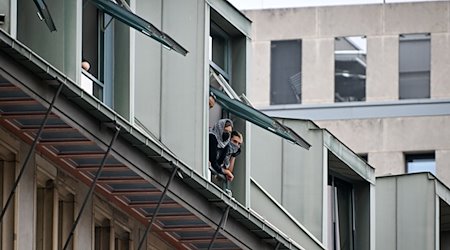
221,223
149,226
30,152
91,189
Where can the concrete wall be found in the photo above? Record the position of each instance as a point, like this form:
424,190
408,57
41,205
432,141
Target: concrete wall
387,139
381,24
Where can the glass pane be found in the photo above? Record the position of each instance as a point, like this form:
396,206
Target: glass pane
350,69
219,45
421,163
285,72
414,66
414,85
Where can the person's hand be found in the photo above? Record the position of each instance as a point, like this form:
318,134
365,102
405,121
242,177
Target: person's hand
212,101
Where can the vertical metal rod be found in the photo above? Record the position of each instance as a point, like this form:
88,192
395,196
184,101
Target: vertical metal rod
91,189
278,246
149,226
221,223
30,152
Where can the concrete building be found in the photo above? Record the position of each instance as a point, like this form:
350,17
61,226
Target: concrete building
115,156
374,75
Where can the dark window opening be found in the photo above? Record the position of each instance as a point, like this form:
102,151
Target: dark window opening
285,72
350,69
416,163
414,66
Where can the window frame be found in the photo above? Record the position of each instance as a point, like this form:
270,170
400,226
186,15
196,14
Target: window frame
216,31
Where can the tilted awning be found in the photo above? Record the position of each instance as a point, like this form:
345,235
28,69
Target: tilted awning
139,24
256,117
44,14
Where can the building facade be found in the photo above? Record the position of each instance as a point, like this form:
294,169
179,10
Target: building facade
115,156
374,75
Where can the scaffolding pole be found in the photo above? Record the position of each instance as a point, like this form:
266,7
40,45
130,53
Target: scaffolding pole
91,189
147,230
221,223
30,152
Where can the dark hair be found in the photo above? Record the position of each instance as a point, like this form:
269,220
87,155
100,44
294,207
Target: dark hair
236,133
227,123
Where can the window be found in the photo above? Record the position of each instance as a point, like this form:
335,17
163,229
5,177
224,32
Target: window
350,69
414,66
110,227
106,46
285,72
365,157
55,211
341,212
121,239
93,44
219,54
102,231
420,163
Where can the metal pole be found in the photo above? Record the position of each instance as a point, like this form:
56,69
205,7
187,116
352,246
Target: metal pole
277,246
91,189
149,226
221,223
30,152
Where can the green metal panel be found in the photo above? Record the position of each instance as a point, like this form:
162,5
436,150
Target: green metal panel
303,178
415,212
58,48
273,212
148,70
122,69
267,157
406,212
256,117
183,85
139,24
386,196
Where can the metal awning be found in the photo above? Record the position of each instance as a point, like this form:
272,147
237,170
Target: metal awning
258,118
136,173
139,24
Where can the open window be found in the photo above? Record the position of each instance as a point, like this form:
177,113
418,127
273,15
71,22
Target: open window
106,47
124,15
54,210
233,104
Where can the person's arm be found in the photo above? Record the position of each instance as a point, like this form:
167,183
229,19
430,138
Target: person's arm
232,160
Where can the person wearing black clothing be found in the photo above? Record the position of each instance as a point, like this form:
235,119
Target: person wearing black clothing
219,138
